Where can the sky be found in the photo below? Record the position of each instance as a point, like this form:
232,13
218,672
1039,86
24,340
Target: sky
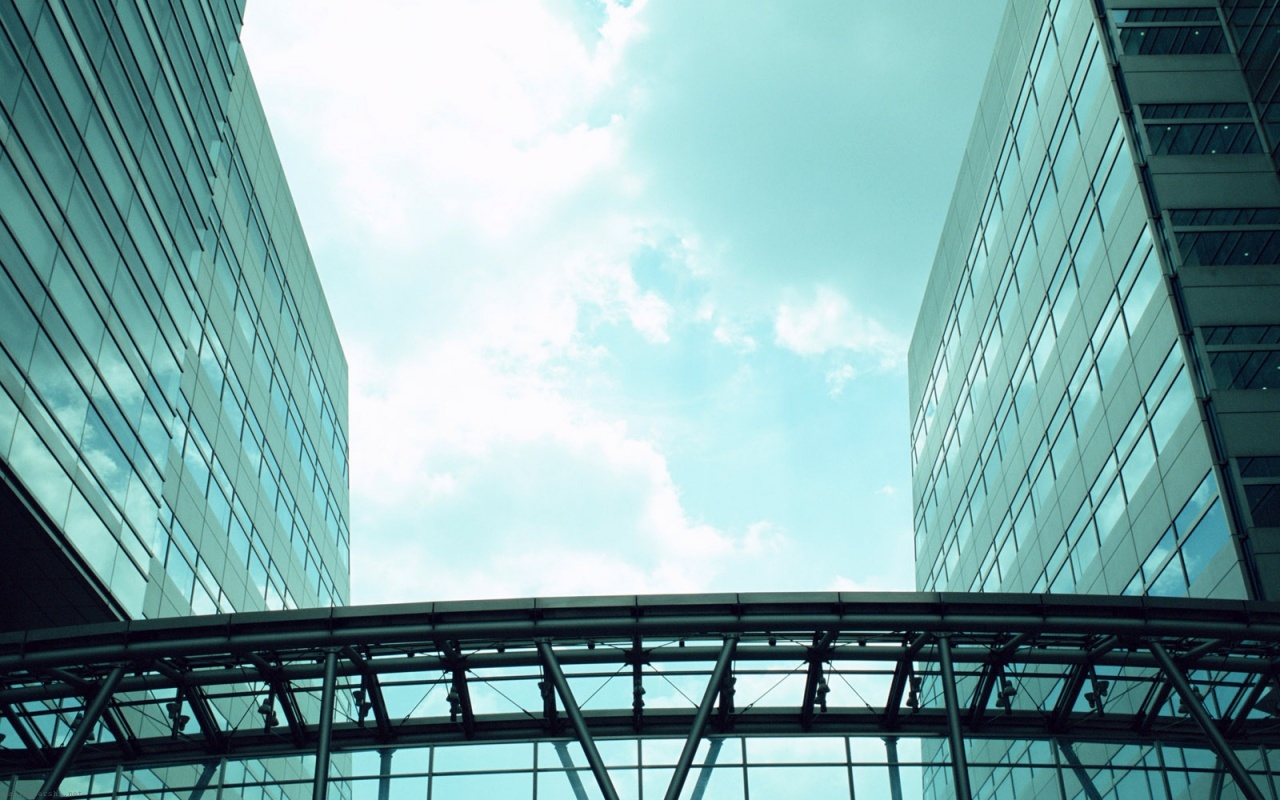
625,289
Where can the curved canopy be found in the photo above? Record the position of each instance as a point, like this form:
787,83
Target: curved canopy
1088,668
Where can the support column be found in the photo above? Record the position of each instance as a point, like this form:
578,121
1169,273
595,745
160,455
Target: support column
1216,740
92,713
320,789
570,770
704,777
575,718
959,764
566,758
384,774
1077,769
1062,781
700,719
895,774
222,778
202,783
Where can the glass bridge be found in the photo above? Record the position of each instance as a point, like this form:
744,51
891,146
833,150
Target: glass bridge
697,696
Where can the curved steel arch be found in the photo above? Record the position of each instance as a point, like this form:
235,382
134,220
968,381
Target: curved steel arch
956,666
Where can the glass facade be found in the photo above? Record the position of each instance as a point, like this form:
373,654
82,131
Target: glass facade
823,768
172,388
1091,372
820,768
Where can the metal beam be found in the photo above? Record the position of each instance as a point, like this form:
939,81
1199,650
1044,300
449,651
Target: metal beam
1102,647
1071,687
1201,650
23,732
320,788
575,718
1159,697
111,719
215,740
1197,710
636,657
92,713
959,763
283,694
46,744
459,691
292,714
991,674
121,732
897,686
818,653
373,695
550,717
1255,694
372,690
920,612
700,719
1011,645
228,667
901,674
724,713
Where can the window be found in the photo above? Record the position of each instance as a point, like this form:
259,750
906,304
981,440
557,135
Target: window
1227,236
1225,216
1200,129
1169,31
1261,478
1208,537
1246,369
1230,247
1244,356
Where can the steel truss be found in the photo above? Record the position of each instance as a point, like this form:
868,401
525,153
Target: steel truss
952,666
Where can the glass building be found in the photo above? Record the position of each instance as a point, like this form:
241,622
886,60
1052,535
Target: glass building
1092,373
173,393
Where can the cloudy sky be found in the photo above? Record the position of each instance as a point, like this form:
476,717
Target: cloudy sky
625,289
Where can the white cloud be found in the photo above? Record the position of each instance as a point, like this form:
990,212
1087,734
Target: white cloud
828,323
764,537
475,118
612,288
595,508
838,377
732,335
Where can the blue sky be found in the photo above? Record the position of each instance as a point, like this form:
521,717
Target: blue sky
625,289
